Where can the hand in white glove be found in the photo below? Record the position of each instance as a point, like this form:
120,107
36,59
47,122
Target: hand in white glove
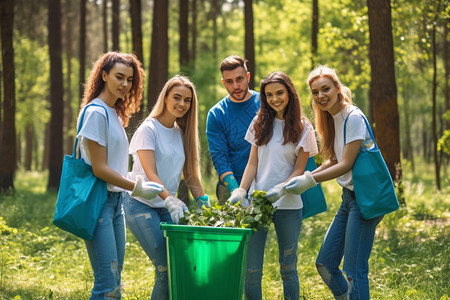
238,195
176,208
275,193
147,190
299,184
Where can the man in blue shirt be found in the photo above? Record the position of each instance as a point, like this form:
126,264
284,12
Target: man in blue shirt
227,125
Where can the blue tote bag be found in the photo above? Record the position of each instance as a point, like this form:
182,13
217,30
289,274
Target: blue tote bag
81,194
313,199
372,182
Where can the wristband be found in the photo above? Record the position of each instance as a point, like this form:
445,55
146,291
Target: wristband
203,200
230,182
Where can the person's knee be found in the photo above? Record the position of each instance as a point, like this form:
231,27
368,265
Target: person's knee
253,276
323,272
288,267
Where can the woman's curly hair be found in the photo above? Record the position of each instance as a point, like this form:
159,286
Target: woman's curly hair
127,105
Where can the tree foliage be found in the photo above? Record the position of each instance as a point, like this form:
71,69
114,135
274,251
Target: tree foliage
282,37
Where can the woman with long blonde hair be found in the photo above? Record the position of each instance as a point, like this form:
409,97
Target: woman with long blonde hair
164,147
349,236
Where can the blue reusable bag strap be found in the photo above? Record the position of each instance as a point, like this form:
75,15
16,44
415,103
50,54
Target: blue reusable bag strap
80,124
367,126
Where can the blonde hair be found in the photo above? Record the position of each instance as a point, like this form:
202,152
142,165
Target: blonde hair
127,105
188,123
324,120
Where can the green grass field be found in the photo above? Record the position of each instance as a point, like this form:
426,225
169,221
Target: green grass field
410,259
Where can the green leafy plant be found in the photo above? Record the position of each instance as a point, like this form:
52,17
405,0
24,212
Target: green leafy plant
258,214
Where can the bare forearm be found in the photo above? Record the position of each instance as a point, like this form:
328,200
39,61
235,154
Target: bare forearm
108,175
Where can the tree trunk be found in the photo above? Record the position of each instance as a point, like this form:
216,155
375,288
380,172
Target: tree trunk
115,24
105,24
159,59
68,113
136,32
433,93
28,161
446,54
314,32
56,94
383,89
193,53
408,152
8,136
82,47
183,45
249,41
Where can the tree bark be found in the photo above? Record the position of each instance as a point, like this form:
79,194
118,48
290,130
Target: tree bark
183,45
314,32
82,48
115,24
433,95
136,33
383,89
56,94
8,136
193,53
159,59
68,113
105,25
249,41
28,161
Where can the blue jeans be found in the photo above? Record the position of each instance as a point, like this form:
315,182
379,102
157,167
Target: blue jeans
349,236
143,222
107,248
287,227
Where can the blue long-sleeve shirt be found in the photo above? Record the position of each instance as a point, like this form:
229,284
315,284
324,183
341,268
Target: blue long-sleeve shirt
226,126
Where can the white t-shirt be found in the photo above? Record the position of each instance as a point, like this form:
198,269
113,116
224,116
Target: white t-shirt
167,143
276,161
356,130
112,136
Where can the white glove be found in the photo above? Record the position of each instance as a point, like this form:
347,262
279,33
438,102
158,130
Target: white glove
176,208
275,193
299,184
147,190
238,195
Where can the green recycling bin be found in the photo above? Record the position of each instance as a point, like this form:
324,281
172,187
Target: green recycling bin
206,262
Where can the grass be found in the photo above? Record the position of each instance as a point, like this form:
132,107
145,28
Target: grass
410,258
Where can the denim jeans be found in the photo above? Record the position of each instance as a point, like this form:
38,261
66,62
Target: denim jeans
287,227
143,222
107,248
349,236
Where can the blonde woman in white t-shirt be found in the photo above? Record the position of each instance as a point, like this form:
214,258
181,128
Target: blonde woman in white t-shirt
282,141
349,236
165,146
114,89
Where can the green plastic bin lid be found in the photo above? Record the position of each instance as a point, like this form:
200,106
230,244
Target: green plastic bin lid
205,229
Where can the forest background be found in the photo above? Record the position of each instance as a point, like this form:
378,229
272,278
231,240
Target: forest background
392,54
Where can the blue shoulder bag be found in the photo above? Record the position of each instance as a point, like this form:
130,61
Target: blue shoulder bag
81,194
372,182
313,199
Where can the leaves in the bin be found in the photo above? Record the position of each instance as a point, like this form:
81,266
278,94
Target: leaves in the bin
258,214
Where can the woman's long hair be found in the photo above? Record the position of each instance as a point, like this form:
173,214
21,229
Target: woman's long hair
127,105
188,123
293,126
324,120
